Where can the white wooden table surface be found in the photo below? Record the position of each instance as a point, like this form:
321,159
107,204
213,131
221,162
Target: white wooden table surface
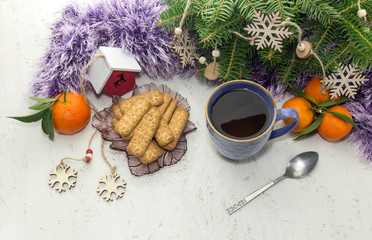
183,201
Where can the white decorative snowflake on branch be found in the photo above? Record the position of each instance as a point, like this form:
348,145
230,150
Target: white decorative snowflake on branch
266,32
62,176
185,49
111,186
345,82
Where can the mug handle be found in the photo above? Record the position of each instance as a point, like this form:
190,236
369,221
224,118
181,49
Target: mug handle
282,114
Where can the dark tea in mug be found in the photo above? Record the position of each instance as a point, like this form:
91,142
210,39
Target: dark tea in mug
240,114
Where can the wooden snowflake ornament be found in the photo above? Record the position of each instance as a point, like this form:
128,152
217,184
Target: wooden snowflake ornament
112,186
62,177
185,49
266,30
345,82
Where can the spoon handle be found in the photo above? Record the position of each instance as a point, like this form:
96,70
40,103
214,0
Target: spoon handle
252,196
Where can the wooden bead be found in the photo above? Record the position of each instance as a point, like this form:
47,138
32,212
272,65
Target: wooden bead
178,31
216,53
202,60
306,50
362,13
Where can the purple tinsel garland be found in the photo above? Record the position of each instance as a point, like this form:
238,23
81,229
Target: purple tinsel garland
76,36
361,110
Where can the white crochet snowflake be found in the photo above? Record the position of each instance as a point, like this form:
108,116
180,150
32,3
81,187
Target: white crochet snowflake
266,32
185,49
111,186
345,82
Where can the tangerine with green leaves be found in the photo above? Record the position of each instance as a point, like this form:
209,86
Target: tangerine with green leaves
333,128
70,115
314,90
305,114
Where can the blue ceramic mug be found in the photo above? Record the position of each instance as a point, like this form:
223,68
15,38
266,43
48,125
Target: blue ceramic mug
242,148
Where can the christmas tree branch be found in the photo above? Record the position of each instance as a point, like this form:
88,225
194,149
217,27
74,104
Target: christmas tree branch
231,58
369,58
172,19
204,5
218,10
339,55
289,68
218,30
250,4
319,10
280,8
352,6
356,31
323,36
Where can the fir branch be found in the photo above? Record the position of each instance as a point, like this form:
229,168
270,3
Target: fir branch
357,31
352,6
218,30
280,9
319,10
338,56
160,24
369,58
246,8
203,6
250,4
287,72
218,10
320,41
323,36
310,28
231,58
285,8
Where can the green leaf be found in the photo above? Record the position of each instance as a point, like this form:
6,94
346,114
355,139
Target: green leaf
44,100
330,102
31,118
299,93
345,117
39,106
47,124
310,128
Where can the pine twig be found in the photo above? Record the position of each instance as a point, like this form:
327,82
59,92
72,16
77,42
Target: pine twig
339,55
171,19
352,6
218,10
219,30
231,58
356,30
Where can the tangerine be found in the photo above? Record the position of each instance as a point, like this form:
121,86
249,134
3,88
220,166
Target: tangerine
72,115
333,128
314,90
305,114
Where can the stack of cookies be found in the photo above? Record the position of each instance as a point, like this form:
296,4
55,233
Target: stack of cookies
152,122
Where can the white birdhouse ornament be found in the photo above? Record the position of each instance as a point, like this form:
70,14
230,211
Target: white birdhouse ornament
114,73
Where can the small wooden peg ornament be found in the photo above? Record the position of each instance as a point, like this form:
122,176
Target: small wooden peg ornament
303,49
211,72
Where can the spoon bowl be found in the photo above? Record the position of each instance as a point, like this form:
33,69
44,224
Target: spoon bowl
298,167
301,165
